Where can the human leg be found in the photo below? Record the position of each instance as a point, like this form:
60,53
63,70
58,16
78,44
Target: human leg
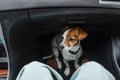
92,71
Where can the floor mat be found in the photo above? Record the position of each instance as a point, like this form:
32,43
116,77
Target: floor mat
51,62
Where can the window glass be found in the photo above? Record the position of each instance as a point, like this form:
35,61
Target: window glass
3,58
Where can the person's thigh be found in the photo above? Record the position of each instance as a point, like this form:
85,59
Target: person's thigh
92,71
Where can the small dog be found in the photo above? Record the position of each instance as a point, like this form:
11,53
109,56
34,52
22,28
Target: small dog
68,44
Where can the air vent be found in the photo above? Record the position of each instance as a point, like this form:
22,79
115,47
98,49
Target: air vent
77,20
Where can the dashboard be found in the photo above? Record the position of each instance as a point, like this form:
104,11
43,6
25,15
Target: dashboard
30,4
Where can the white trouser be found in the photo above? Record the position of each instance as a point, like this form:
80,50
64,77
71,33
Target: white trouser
88,71
37,71
92,71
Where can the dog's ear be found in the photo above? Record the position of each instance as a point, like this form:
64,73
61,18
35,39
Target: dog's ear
81,33
64,29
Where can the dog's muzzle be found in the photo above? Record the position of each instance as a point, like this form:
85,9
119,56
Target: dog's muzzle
74,52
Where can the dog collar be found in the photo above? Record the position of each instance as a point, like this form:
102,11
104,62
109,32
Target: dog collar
72,52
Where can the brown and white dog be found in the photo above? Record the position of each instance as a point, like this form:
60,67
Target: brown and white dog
68,43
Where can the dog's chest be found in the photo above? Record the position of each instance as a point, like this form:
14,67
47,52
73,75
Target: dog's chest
68,56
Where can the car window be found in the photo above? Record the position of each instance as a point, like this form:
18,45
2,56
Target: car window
3,58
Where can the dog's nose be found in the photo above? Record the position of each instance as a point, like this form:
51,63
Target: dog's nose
61,46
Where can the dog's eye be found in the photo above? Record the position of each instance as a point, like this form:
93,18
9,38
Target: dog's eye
71,39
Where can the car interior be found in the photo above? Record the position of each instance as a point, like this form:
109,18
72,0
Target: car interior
28,34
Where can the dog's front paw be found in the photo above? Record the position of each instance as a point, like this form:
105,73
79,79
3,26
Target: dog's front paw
77,66
67,71
60,65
